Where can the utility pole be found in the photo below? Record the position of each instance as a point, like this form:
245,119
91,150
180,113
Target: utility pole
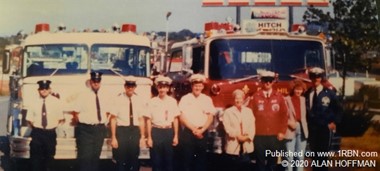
290,18
166,41
237,15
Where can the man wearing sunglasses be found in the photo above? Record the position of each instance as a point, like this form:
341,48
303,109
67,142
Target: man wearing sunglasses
270,112
44,115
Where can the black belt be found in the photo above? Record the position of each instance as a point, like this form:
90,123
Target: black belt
132,126
92,125
162,127
46,130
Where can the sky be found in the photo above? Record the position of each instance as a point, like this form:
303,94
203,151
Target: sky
148,15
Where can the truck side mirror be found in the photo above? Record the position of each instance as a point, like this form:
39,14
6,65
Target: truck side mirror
6,62
187,58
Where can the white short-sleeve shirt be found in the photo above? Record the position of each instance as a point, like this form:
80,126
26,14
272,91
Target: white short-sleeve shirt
195,109
162,111
120,109
54,112
86,106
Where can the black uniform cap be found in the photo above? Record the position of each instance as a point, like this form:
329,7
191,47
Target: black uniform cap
96,76
43,84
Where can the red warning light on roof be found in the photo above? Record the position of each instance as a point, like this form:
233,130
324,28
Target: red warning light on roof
298,27
128,28
211,26
228,27
42,27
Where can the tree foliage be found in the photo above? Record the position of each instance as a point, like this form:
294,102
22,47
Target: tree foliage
355,30
179,36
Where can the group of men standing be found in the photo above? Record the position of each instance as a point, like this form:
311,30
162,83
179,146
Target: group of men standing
135,123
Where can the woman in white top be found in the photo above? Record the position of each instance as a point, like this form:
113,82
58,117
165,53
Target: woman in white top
239,124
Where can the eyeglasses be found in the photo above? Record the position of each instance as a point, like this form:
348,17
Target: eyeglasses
267,80
314,76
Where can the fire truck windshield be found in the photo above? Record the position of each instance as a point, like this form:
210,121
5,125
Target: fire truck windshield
53,59
122,59
65,59
239,58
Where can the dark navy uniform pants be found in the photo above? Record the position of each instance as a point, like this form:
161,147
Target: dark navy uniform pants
195,151
42,148
238,162
263,143
90,139
162,152
127,154
319,141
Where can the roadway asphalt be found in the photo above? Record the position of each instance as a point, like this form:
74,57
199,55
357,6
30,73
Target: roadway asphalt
4,158
3,113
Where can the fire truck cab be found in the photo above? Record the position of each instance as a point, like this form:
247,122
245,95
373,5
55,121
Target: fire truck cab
67,58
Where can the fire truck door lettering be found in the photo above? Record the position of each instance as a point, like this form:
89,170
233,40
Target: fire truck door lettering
282,90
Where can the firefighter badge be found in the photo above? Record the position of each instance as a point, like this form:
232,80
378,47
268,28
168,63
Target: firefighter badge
325,101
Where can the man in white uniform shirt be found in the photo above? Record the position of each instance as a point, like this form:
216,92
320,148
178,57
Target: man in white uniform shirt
127,127
91,129
44,115
197,112
162,126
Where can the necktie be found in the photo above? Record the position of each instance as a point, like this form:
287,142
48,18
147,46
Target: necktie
44,117
130,112
315,98
98,106
166,115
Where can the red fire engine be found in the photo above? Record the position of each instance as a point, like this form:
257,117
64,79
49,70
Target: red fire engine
231,59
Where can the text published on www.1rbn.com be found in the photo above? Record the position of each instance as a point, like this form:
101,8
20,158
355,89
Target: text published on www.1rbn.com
352,158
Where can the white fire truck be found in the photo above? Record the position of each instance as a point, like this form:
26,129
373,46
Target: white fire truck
67,58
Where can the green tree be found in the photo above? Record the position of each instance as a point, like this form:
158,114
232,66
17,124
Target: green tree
354,28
